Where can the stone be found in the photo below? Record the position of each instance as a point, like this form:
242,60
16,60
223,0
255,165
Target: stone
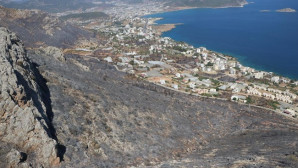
22,124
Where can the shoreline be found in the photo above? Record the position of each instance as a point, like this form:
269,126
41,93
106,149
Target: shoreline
173,26
181,8
182,67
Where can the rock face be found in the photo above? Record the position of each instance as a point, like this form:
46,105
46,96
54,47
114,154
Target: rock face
25,130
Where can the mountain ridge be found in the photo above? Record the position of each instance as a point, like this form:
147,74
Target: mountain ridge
61,6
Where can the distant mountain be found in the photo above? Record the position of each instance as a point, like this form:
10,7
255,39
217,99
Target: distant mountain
48,5
206,3
64,5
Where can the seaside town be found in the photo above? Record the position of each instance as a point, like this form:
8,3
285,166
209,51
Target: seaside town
133,44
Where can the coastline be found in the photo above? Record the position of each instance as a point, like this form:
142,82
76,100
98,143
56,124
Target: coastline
169,27
181,8
190,69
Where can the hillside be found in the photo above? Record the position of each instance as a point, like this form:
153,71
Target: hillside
37,28
59,109
48,5
100,117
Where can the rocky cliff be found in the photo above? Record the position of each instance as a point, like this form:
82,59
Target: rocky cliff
26,134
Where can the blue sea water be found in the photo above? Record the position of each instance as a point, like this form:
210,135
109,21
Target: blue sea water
262,40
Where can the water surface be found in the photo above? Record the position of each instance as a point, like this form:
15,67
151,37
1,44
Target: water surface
263,40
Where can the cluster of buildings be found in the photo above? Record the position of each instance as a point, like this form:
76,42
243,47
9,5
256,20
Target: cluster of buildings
123,10
135,47
273,94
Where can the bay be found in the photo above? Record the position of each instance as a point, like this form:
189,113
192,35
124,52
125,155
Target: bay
262,40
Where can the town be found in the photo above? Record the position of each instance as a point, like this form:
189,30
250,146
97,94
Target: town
133,44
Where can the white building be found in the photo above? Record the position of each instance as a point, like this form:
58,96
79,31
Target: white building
175,86
238,98
275,79
162,81
178,75
232,71
259,75
108,59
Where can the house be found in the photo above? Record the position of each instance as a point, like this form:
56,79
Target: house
162,81
259,75
216,67
232,71
206,82
213,91
290,112
203,49
275,79
253,91
125,59
108,59
189,53
195,70
192,85
223,87
175,86
268,95
202,91
222,67
204,55
285,80
236,87
178,75
232,64
238,98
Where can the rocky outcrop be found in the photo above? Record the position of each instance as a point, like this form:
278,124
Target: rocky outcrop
26,136
52,52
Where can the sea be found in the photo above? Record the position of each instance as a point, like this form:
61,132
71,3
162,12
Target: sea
264,40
